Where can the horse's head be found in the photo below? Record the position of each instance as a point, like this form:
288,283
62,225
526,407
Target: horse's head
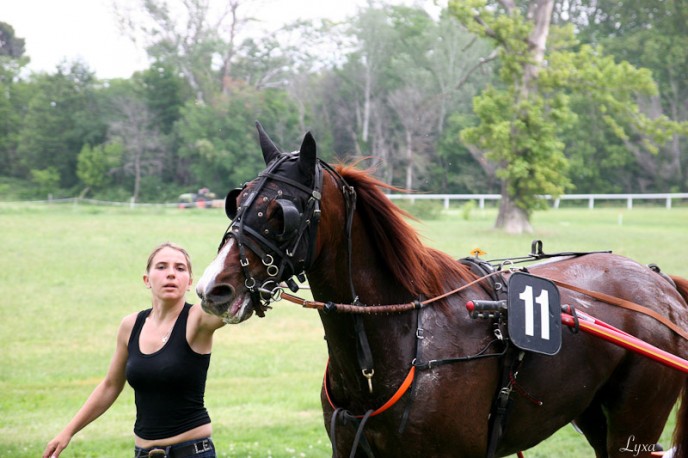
272,235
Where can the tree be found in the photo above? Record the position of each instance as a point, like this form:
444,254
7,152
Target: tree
165,93
391,95
62,115
511,118
46,180
522,122
652,34
457,169
218,141
143,152
10,45
95,165
13,97
193,38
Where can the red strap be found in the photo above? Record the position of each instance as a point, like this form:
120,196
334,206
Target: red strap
405,385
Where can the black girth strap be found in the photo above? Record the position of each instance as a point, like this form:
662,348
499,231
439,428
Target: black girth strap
359,438
498,416
420,336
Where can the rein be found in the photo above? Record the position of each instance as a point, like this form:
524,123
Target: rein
328,307
623,303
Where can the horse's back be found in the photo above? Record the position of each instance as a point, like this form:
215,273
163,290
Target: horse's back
610,392
622,278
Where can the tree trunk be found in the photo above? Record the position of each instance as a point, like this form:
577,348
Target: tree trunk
226,76
137,176
366,104
540,14
511,218
409,160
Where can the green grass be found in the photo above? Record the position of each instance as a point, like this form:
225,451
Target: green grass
68,274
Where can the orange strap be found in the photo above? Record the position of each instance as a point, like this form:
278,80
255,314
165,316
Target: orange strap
627,305
405,385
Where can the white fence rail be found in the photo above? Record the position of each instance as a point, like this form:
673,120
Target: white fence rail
667,198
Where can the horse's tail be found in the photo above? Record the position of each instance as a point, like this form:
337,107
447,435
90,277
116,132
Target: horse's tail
681,431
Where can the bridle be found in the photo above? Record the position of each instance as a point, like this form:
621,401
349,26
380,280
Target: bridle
289,252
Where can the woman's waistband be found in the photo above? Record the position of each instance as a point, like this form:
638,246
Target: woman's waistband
185,449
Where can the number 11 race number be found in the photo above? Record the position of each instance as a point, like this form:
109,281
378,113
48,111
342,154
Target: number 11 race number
534,314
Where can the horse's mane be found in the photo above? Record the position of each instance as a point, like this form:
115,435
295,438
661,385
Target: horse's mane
421,270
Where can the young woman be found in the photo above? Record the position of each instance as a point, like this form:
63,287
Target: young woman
163,353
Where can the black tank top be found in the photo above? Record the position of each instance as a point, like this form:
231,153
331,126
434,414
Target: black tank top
169,384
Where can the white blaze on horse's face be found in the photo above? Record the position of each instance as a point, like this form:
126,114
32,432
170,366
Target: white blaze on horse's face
220,298
213,270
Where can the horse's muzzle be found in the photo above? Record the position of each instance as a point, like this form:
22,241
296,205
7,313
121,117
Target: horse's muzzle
221,300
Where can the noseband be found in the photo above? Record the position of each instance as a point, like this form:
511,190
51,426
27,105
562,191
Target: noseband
289,252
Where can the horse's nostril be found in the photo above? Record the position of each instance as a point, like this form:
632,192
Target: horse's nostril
220,293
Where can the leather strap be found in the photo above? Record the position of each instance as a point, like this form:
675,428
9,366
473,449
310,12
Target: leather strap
625,304
405,385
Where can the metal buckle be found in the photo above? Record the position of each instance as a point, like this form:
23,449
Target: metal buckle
205,444
369,375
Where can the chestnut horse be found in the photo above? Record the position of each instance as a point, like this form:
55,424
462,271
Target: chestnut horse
337,226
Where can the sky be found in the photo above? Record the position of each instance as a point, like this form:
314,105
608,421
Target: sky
87,30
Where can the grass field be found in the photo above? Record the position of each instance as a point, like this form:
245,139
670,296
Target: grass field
68,274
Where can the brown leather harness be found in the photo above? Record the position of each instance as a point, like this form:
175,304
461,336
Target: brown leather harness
510,367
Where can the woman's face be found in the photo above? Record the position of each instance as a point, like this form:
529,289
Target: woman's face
168,277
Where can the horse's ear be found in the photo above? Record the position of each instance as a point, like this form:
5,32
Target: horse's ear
307,155
270,151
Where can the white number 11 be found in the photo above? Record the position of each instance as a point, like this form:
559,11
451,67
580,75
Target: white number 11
543,301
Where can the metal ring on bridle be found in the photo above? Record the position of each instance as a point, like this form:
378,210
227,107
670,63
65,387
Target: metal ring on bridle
272,270
269,263
276,294
270,295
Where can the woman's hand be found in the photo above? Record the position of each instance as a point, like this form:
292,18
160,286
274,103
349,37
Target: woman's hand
55,446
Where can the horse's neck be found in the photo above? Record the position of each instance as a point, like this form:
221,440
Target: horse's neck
334,279
391,337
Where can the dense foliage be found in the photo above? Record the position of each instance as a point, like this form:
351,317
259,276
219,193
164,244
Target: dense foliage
436,103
